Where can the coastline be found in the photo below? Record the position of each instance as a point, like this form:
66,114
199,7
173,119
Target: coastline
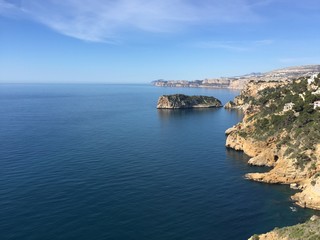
293,162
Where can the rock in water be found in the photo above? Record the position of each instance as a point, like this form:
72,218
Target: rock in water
230,105
178,101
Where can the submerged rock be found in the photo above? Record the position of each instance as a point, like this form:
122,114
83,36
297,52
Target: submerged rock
179,101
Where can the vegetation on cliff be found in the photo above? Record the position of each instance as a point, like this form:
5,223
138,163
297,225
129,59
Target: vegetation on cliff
309,230
281,129
288,114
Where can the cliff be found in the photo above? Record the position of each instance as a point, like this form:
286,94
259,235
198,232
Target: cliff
281,129
178,101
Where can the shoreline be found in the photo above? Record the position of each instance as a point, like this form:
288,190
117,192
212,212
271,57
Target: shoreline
279,130
293,161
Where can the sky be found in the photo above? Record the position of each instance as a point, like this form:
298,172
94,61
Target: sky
138,41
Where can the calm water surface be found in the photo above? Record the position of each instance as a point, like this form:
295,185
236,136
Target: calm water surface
101,162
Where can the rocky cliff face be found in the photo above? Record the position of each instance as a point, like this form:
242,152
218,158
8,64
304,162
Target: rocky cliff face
252,88
230,105
262,153
178,101
287,139
281,129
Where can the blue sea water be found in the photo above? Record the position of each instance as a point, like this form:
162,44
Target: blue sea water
101,162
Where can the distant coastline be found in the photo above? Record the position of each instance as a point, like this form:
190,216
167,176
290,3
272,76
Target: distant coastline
216,83
239,82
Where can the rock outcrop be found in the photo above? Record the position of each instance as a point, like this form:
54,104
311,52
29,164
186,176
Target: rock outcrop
180,101
310,195
230,105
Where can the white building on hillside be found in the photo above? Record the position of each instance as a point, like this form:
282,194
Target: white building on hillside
288,106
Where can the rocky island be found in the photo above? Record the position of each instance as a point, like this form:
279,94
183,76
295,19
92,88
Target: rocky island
181,101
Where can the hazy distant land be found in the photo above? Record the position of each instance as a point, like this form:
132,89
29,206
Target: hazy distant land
238,82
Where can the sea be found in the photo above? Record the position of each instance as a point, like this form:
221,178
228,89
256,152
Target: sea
99,161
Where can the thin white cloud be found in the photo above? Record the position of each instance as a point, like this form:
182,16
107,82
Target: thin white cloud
104,20
238,46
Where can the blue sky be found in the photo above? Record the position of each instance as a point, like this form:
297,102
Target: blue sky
137,41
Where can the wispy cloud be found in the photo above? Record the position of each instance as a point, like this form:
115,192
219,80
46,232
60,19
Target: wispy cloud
239,46
105,20
6,7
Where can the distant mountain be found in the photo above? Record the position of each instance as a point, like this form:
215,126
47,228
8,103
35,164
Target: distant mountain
238,82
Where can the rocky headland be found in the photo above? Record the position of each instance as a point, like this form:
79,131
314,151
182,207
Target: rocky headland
181,101
281,129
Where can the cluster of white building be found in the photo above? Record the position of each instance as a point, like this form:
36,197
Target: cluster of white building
289,106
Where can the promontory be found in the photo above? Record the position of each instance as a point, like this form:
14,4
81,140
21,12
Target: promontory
181,101
281,129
